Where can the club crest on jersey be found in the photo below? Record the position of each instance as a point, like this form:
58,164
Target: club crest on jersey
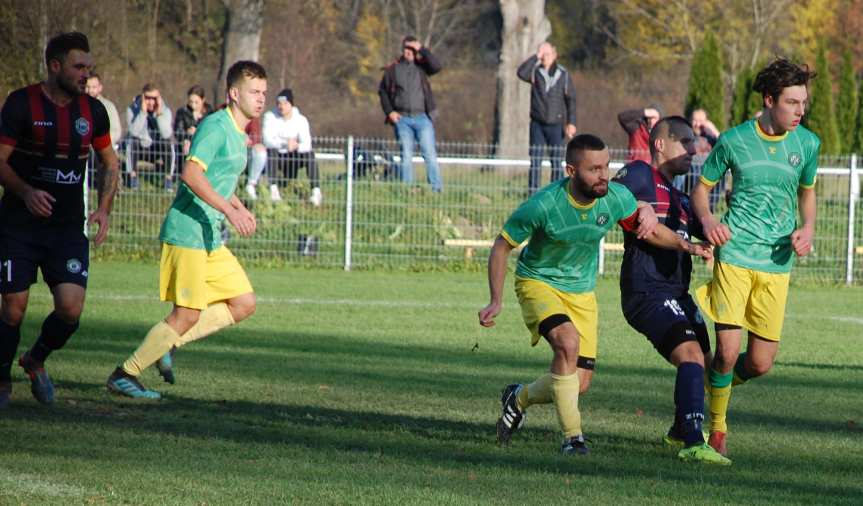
82,126
794,159
74,265
602,219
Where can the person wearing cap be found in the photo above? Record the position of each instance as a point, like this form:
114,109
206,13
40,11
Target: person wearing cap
638,123
407,100
288,139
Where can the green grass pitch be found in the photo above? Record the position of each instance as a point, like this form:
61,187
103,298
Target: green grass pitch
367,388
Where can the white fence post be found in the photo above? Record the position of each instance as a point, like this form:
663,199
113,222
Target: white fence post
602,256
349,202
853,194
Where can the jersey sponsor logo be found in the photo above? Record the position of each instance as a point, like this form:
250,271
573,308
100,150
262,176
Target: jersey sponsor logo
43,123
68,177
82,126
663,187
602,219
794,159
74,265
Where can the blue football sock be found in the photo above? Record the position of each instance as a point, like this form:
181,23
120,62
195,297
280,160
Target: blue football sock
689,397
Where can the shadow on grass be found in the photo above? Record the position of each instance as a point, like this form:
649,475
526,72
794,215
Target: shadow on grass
410,440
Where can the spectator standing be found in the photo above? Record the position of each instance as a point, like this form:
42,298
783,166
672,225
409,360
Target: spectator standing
288,138
703,127
94,89
637,123
552,111
188,117
150,126
407,100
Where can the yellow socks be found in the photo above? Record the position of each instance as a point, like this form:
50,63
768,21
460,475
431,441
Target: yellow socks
538,392
564,392
158,341
215,317
720,394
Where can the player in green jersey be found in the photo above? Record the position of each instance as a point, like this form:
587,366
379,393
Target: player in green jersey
556,275
773,161
198,273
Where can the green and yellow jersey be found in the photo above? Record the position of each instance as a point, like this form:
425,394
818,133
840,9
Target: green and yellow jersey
766,172
563,250
219,146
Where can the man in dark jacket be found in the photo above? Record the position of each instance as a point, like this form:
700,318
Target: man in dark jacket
407,100
552,111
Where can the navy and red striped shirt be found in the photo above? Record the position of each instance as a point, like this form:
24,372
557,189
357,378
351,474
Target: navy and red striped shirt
647,268
52,144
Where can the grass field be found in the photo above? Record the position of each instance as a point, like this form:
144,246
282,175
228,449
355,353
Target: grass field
365,388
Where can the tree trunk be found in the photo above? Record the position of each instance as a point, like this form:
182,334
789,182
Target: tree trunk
525,27
243,25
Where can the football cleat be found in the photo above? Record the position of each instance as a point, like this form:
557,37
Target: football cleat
576,445
703,453
165,366
5,394
676,439
511,417
717,441
40,383
125,384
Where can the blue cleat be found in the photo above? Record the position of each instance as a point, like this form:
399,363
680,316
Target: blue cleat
165,366
40,383
576,445
125,384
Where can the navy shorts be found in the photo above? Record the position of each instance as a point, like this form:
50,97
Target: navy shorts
63,256
666,320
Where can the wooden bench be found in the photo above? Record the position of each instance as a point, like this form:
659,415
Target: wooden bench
471,245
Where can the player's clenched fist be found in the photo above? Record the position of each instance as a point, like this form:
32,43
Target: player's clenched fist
487,314
801,241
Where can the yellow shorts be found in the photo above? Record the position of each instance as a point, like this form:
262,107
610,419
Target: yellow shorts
746,298
538,301
195,279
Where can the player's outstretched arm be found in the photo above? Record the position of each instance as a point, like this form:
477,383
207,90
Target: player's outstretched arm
109,182
664,237
801,239
497,260
38,202
715,232
241,219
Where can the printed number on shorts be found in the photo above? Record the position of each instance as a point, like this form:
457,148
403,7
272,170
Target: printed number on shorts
674,306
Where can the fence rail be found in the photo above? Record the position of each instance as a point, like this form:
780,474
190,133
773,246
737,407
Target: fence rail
370,218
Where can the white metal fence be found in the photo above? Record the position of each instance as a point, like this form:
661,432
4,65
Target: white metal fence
369,218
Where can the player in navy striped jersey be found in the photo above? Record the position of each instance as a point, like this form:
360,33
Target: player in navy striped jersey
47,132
654,282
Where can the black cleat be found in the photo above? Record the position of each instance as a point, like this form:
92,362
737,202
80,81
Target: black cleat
511,417
576,445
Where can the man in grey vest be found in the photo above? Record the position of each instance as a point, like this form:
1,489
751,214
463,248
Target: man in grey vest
552,111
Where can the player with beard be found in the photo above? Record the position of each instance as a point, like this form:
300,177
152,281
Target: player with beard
654,282
556,275
204,280
47,131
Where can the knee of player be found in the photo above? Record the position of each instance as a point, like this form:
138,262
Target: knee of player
69,311
725,359
244,307
759,368
13,315
566,346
